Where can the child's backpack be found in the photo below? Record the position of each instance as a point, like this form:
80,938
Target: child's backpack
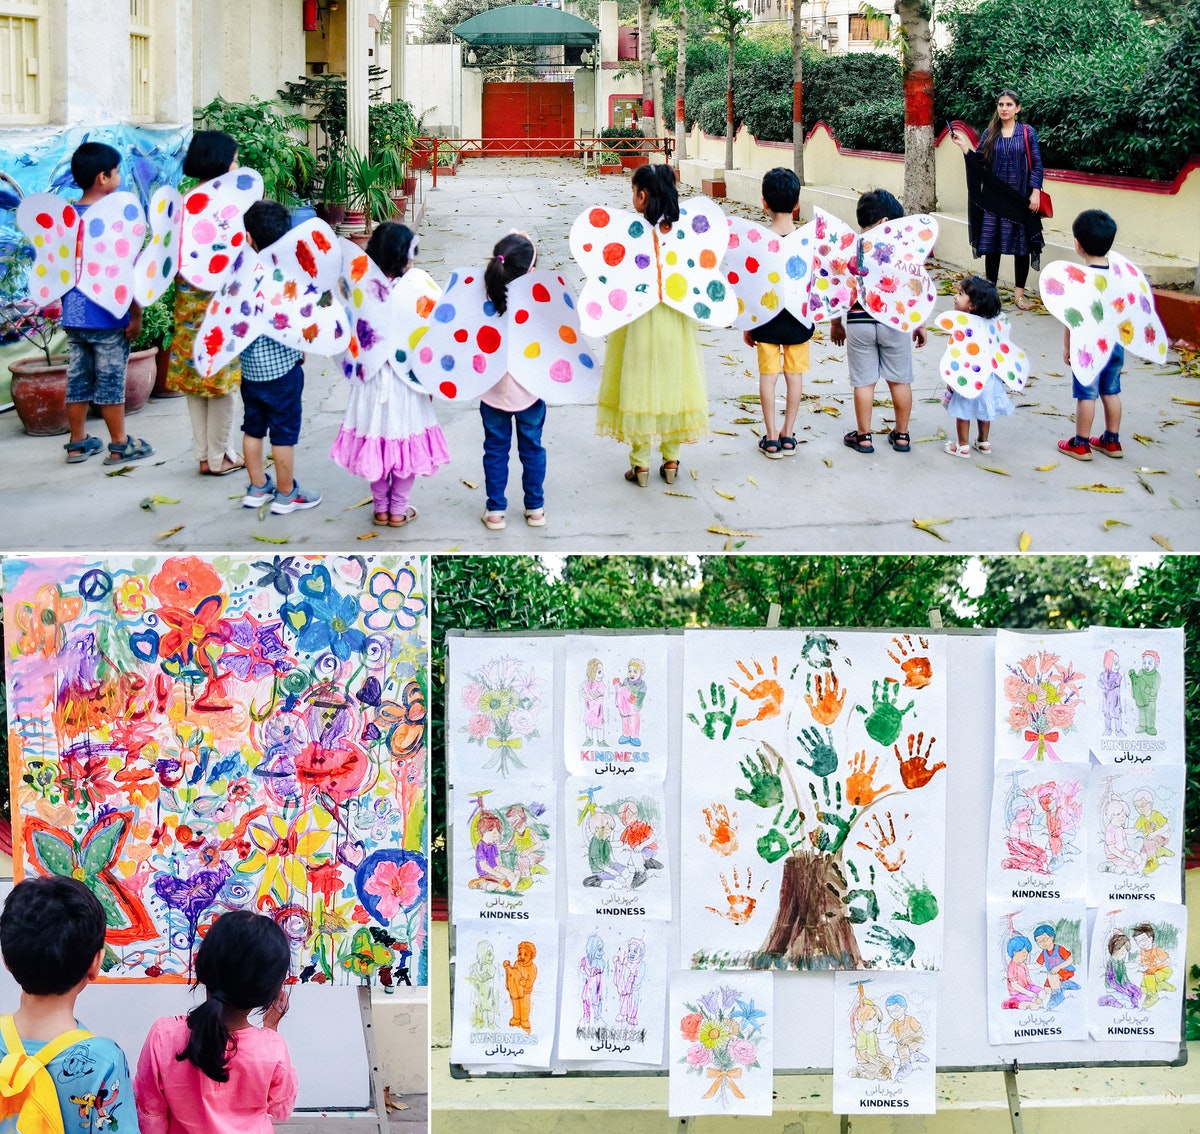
26,1088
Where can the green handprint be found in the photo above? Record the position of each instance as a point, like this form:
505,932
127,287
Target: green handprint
885,719
717,715
902,948
782,837
921,901
821,751
830,814
766,789
868,911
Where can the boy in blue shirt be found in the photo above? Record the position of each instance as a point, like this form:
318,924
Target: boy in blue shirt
98,341
52,938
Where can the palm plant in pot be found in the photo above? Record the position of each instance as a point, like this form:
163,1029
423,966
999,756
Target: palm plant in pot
367,189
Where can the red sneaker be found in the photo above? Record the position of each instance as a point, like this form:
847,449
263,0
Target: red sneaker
1077,447
1107,445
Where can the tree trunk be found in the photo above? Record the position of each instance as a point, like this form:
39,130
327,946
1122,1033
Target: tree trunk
681,85
812,928
660,114
729,98
797,91
645,50
920,185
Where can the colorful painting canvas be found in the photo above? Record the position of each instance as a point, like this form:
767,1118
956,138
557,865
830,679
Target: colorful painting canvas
1137,975
191,734
1037,842
506,993
1041,689
720,1027
885,1043
614,990
813,800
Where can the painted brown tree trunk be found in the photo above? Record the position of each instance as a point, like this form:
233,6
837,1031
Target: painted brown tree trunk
797,91
812,928
920,186
681,85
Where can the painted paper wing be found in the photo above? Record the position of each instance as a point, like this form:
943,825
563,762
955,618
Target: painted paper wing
768,272
94,251
616,250
977,349
546,351
212,228
234,317
1140,328
690,254
1009,360
831,287
461,354
895,288
155,268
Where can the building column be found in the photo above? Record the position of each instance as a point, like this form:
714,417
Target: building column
357,72
399,10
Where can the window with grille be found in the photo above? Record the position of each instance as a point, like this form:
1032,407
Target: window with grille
141,89
869,29
20,65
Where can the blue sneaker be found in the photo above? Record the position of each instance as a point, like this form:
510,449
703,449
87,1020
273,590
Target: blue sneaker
294,501
257,495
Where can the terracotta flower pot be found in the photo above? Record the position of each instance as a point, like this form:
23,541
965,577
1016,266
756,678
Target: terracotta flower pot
140,375
162,364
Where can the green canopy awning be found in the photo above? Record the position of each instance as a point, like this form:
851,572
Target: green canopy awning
527,24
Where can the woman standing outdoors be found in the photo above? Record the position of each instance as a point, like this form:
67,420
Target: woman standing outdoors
1004,183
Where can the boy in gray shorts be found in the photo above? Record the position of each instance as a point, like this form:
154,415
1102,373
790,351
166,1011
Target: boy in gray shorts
874,351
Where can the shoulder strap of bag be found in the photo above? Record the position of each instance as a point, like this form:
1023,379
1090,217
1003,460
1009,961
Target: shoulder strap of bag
26,1087
1028,151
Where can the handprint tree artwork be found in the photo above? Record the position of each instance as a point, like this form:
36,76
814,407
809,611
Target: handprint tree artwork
821,807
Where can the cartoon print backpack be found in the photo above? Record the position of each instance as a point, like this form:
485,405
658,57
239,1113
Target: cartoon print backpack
26,1087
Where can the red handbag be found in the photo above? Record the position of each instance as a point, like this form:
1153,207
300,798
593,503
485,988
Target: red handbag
1045,205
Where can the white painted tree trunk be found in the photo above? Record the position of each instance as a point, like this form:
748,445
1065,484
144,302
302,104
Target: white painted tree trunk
920,184
645,50
797,91
729,100
681,85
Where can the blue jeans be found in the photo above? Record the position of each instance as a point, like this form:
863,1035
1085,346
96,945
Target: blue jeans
497,440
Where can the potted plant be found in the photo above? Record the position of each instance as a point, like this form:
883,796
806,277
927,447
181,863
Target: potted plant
628,143
39,383
366,190
334,189
392,127
158,329
610,162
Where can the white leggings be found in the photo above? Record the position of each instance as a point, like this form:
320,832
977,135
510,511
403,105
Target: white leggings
212,429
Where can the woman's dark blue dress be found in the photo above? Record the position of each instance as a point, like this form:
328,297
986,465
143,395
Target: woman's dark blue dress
1011,163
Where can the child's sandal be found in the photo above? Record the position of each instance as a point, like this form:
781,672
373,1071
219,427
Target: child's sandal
409,515
788,445
493,521
901,442
381,519
956,450
667,470
983,446
639,475
134,449
535,517
859,442
770,448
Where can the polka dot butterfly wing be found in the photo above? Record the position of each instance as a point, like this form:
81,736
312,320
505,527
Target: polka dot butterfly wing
414,299
52,227
968,360
831,284
1009,361
690,255
301,303
234,318
1139,327
212,228
616,250
1081,298
895,287
546,351
460,355
365,291
158,262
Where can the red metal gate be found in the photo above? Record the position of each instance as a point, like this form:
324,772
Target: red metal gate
534,111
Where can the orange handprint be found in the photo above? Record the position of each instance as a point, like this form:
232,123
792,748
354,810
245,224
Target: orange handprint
722,829
917,668
766,689
860,790
914,771
741,904
828,705
881,840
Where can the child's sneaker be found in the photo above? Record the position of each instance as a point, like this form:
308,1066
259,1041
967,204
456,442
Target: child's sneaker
259,494
493,521
1077,447
1108,444
294,501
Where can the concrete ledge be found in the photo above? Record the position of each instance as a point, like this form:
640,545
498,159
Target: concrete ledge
693,171
1180,313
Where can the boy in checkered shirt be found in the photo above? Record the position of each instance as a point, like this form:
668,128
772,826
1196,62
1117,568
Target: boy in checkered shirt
272,387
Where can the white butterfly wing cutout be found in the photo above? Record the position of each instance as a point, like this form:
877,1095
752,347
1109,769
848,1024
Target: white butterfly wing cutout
460,356
831,286
546,352
1139,326
93,251
895,288
616,250
159,260
234,316
1009,361
690,252
768,272
977,349
213,232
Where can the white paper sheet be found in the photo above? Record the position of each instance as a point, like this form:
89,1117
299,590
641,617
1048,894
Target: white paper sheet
1040,692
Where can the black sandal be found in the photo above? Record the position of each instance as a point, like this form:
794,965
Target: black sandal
901,442
859,442
770,448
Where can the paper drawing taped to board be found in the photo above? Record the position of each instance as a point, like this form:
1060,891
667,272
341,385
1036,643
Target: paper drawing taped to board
1135,848
1137,972
1037,841
885,1041
194,735
614,991
1040,691
813,804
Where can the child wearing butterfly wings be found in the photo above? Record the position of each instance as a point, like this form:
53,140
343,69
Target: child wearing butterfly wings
213,1072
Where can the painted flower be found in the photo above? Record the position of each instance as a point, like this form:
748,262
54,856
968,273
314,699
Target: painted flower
254,650
689,1026
323,619
480,727
699,1056
1061,716
713,1033
279,572
742,1051
40,622
522,721
281,850
132,595
471,695
325,878
389,600
748,1015
498,703
185,581
396,885
189,631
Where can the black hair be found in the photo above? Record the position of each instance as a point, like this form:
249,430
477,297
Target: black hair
987,144
392,246
662,200
90,160
210,154
877,205
242,963
982,295
781,189
1095,230
512,257
50,932
266,222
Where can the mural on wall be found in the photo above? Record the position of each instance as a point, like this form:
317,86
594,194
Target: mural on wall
190,735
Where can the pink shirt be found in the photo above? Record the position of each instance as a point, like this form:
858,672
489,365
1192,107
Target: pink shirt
176,1097
509,395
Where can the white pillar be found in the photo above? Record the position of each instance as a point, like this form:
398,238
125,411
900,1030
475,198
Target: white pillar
399,10
357,66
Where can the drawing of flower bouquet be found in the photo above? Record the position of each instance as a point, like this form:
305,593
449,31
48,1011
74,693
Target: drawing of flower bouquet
724,1033
504,699
1044,694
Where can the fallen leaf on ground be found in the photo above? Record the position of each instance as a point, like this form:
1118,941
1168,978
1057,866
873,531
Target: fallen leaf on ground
726,433
752,481
271,538
1109,524
468,484
170,532
695,473
993,469
716,529
1045,468
361,504
369,535
724,495
828,462
1096,488
930,526
131,468
685,495
1162,542
1025,542
1174,398
744,421
1144,439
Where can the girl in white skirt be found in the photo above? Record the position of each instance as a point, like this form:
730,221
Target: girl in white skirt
977,297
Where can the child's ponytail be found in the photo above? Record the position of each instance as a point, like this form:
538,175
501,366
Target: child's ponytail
242,963
513,256
662,194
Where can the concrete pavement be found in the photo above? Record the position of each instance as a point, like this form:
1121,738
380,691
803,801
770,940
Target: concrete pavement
824,499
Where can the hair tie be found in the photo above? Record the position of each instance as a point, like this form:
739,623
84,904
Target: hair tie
500,258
